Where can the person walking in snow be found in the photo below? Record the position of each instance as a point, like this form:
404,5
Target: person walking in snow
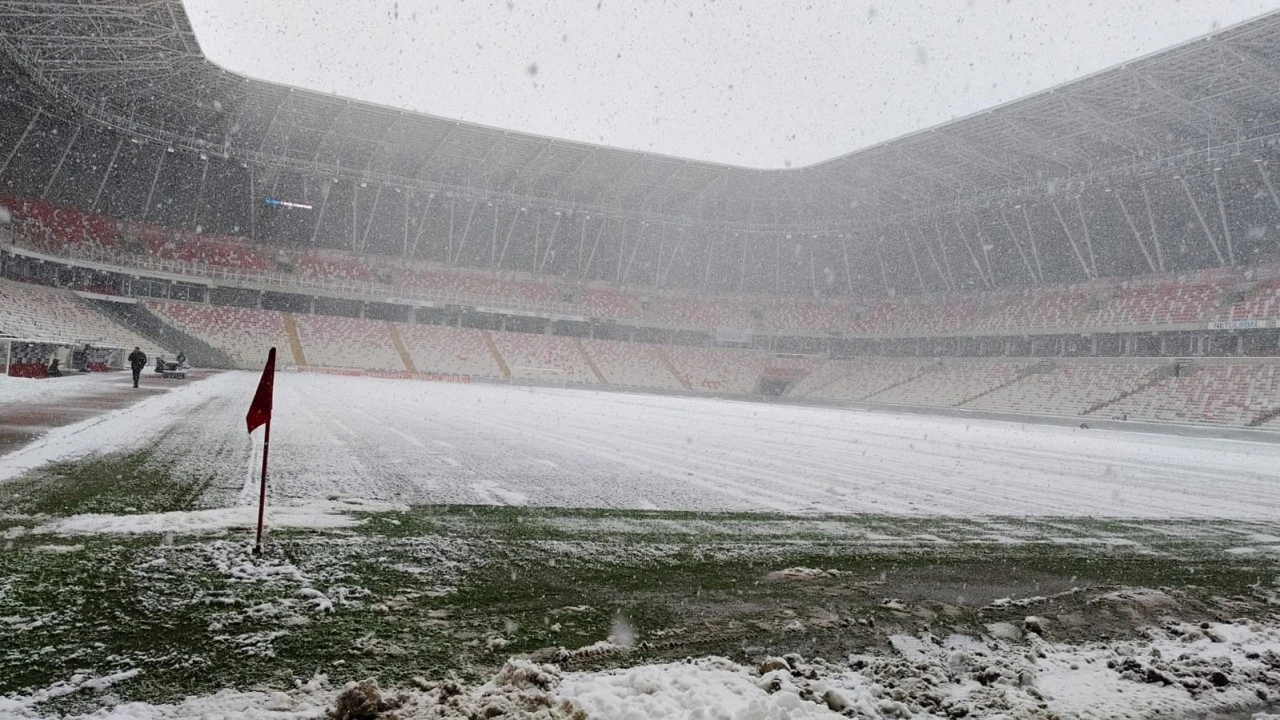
137,361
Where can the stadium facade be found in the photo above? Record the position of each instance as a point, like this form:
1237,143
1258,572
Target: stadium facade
1107,248
1164,164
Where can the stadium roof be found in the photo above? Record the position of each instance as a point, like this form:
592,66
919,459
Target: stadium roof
136,65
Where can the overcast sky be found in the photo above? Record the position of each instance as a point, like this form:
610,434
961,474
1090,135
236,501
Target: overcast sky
760,83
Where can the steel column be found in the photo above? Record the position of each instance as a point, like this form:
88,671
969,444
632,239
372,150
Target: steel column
1203,224
21,139
93,206
1222,215
146,210
1084,266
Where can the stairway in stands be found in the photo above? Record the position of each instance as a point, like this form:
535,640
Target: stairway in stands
295,342
136,316
671,367
497,356
398,343
1152,379
591,364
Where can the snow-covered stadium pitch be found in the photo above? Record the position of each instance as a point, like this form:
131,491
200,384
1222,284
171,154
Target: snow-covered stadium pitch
440,443
422,529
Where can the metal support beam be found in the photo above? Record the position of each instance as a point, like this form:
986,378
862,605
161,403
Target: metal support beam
1031,237
848,273
1088,240
915,263
985,246
1204,225
146,210
1084,266
204,175
253,207
946,262
422,225
355,212
466,229
604,222
706,270
551,241
404,238
493,238
946,282
515,216
368,224
884,272
1222,215
1137,237
21,139
813,270
582,243
622,251
634,249
1271,188
93,206
58,168
1151,220
973,257
682,238
777,265
1026,262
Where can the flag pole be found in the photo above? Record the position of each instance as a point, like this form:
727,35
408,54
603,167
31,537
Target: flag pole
262,492
260,414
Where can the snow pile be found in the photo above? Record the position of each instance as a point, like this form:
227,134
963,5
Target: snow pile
23,706
39,390
1178,670
326,514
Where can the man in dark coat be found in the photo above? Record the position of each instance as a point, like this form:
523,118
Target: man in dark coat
137,361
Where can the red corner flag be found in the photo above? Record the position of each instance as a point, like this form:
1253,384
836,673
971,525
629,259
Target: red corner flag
260,414
260,408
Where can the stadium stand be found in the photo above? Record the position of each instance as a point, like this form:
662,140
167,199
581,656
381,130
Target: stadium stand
1068,388
244,334
718,370
34,311
861,378
543,357
632,365
1207,393
440,349
953,382
341,342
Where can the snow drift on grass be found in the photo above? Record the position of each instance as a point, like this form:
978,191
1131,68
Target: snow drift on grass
41,390
1178,670
121,429
320,515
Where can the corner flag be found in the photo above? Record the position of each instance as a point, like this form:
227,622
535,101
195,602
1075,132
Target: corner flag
260,408
260,414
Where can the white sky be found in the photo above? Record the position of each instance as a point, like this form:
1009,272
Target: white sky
759,83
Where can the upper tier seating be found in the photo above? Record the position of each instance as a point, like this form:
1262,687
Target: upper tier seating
244,334
448,350
59,229
341,342
1234,294
45,313
543,357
